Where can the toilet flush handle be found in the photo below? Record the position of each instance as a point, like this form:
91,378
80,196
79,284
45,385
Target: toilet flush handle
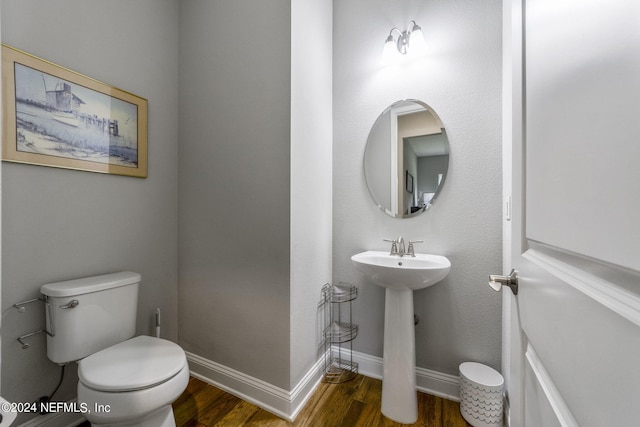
72,304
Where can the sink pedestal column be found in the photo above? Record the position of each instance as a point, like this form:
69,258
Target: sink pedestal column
399,395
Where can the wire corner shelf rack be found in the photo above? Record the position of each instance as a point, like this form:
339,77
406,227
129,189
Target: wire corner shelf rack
339,332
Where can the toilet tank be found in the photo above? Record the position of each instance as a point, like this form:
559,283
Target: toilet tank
90,314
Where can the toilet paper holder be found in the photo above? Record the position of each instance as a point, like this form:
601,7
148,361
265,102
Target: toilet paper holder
20,306
25,345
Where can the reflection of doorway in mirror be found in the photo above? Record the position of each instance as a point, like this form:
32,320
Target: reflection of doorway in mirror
424,154
407,120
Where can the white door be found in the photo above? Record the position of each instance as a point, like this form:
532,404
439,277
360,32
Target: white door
572,144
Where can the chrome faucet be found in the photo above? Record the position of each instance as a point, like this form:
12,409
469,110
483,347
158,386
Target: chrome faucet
398,248
401,250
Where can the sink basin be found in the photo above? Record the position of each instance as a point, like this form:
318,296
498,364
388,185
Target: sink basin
402,273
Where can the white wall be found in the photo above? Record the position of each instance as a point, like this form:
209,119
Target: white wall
460,79
59,224
311,175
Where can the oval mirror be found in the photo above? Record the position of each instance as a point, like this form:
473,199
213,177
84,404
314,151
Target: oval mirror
406,159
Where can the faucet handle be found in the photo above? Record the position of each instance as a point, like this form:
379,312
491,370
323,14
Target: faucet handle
394,246
410,249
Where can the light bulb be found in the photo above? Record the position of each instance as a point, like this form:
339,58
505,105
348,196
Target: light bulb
389,51
416,41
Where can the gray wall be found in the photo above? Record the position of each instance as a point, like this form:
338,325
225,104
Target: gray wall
234,185
428,167
59,224
252,263
460,79
255,188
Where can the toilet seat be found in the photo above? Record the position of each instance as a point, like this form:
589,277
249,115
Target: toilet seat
136,364
133,407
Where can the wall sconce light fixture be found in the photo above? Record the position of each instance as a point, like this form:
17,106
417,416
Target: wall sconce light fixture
409,42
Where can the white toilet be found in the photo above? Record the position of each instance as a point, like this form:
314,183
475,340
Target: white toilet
124,381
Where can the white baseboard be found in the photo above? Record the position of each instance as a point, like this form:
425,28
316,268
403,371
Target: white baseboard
427,381
287,404
283,403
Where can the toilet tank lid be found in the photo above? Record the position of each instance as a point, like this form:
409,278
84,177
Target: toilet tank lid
87,285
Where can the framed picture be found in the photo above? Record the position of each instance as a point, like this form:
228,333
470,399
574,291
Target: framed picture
56,117
409,182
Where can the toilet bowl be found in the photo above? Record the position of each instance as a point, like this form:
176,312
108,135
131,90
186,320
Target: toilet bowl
123,380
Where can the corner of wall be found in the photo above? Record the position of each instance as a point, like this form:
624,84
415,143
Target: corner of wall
311,176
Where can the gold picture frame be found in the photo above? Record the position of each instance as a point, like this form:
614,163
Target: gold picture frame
53,116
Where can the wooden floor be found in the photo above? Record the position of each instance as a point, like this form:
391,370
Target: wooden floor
354,403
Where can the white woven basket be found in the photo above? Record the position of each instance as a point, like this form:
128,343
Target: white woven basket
481,395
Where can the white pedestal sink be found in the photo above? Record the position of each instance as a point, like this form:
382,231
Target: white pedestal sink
400,276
